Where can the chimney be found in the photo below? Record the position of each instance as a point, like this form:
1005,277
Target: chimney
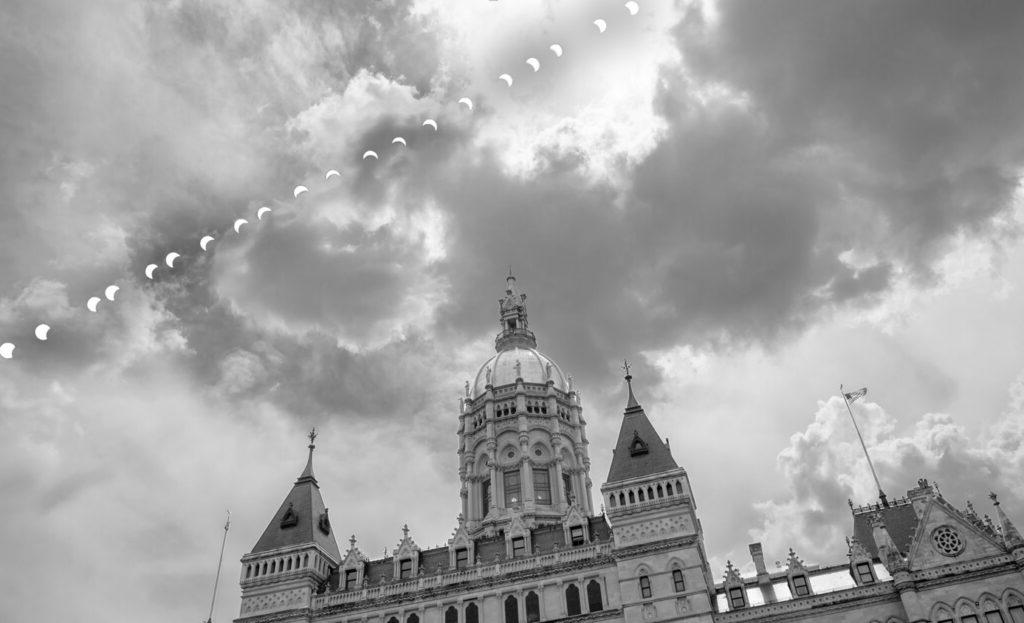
764,582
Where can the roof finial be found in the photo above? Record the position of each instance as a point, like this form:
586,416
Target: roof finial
352,542
631,403
405,531
308,472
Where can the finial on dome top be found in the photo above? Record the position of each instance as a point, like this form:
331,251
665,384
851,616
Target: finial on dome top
631,403
312,437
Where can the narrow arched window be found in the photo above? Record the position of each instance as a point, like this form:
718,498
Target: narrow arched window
248,571
640,495
645,587
393,620
622,499
1015,606
594,596
572,600
412,618
668,488
650,493
532,608
451,615
511,609
632,498
472,613
992,613
661,492
611,500
943,616
677,580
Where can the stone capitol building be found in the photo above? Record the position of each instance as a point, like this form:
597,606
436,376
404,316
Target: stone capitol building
529,546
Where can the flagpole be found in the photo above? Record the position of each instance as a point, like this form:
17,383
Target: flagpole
220,560
881,494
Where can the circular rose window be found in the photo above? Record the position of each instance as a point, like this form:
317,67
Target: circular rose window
947,541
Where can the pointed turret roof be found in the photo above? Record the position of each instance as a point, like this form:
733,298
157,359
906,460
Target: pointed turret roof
639,450
1011,537
302,518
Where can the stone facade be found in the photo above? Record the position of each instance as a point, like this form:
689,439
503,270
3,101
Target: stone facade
529,546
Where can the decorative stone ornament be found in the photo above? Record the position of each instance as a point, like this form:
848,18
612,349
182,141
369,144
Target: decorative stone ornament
946,541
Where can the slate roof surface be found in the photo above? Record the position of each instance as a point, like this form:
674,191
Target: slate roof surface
900,521
626,465
489,549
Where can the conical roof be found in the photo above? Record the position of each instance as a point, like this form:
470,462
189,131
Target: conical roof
639,450
302,517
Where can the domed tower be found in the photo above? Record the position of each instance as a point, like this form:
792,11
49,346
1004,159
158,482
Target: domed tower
522,436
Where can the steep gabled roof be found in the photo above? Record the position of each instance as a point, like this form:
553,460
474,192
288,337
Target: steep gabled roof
301,519
639,450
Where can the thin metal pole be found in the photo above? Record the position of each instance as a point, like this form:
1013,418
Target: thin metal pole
220,560
881,494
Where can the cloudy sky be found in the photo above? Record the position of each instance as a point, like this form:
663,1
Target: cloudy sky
753,202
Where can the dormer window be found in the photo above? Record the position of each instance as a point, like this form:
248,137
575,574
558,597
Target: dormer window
405,569
637,446
461,558
350,578
865,575
290,517
576,533
519,547
800,586
737,599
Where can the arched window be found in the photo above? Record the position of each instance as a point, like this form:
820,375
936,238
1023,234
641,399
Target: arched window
305,560
513,490
632,498
942,615
532,608
1015,607
511,609
248,571
677,580
650,493
451,615
472,613
967,614
622,499
485,497
594,596
640,495
572,600
412,618
393,620
661,492
645,587
264,568
992,613
668,488
289,565
611,500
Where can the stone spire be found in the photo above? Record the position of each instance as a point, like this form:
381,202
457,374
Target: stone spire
512,316
1011,537
639,450
887,550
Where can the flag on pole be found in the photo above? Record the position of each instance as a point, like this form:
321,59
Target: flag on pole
854,395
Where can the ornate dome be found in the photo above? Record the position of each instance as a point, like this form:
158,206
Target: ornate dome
533,365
